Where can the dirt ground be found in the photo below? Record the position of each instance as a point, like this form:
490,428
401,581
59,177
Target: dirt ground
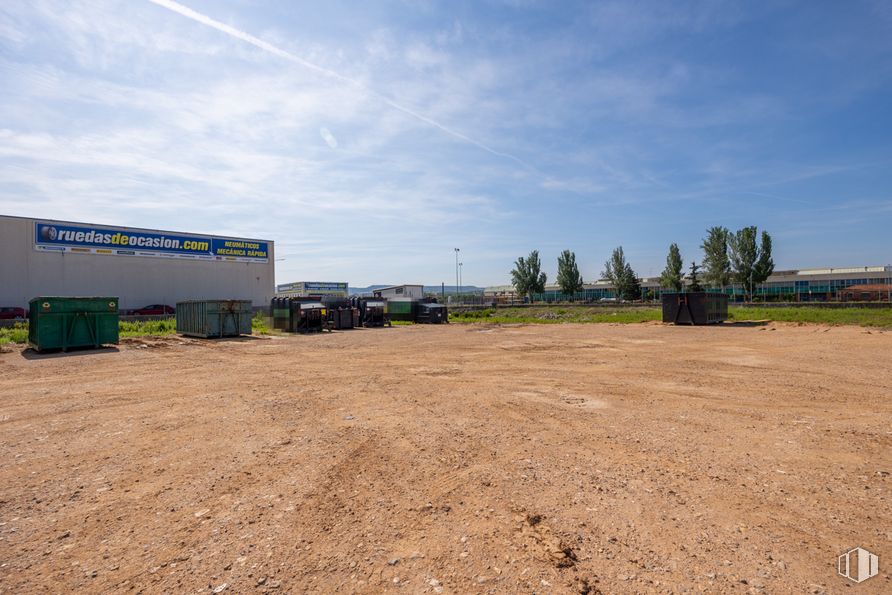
451,459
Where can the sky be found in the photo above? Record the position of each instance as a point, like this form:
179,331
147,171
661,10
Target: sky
370,139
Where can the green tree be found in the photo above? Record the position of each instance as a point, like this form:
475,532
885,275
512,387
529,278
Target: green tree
751,261
672,275
716,262
633,284
527,277
695,279
620,274
568,277
765,264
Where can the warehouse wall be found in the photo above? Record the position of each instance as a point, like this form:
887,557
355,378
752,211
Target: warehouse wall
402,291
26,273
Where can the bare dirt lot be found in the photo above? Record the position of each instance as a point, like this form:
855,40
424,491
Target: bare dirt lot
453,459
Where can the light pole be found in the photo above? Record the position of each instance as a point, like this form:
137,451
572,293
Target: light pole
457,250
460,266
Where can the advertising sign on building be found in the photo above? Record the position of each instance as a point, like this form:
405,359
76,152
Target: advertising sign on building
63,237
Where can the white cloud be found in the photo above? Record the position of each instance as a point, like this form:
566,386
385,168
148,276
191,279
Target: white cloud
122,112
328,137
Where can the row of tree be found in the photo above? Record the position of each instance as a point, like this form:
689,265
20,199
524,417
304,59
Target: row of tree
727,257
738,257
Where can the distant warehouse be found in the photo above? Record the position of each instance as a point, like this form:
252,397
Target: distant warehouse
400,291
42,257
312,289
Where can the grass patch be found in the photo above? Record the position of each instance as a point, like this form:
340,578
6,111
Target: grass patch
130,329
874,317
878,317
260,325
550,315
147,328
14,334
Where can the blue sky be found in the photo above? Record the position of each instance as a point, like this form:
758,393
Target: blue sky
368,139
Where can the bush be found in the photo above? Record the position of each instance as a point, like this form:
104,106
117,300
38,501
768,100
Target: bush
147,328
14,334
260,324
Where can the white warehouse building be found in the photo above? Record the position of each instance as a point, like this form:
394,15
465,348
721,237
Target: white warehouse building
42,257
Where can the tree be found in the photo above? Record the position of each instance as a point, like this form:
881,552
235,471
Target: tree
765,264
695,280
568,276
614,271
671,277
526,276
621,276
633,284
752,263
715,257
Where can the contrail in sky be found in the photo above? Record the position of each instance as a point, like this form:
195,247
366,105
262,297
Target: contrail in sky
286,55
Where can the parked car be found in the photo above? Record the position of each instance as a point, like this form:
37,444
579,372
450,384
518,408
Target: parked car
10,313
153,310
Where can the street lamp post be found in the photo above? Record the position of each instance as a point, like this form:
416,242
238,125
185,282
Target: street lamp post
460,269
457,250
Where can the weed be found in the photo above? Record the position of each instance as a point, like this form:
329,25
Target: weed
14,334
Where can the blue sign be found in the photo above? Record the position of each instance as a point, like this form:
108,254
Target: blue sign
81,238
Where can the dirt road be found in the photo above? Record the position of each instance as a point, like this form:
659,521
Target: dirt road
454,459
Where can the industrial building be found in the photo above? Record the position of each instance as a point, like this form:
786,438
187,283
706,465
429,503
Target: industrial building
400,291
801,285
316,289
44,257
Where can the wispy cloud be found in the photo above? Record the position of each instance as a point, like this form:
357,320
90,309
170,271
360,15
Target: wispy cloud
374,144
328,137
291,57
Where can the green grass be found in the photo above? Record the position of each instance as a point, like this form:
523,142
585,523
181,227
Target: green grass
551,315
872,317
401,322
260,325
878,317
128,329
875,317
14,334
147,328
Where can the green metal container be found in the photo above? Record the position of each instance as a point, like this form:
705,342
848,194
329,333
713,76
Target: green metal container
402,308
66,322
211,319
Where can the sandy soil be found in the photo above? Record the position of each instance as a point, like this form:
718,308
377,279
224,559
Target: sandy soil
454,459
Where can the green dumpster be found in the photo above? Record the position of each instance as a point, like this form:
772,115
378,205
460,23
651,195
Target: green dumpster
66,322
210,319
402,308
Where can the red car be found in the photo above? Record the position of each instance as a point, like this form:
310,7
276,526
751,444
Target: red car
10,313
153,310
